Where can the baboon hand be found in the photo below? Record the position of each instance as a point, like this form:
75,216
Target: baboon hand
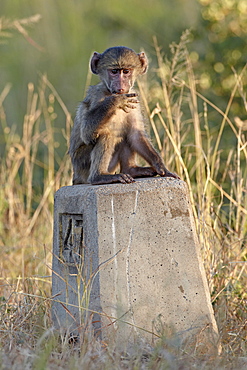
125,178
126,102
164,172
171,174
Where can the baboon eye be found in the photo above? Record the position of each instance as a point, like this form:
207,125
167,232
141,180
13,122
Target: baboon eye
126,71
114,71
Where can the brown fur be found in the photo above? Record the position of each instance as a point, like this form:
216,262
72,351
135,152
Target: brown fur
108,129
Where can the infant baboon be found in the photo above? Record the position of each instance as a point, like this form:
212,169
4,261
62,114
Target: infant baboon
109,129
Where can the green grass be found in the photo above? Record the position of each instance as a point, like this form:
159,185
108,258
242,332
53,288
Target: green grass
189,130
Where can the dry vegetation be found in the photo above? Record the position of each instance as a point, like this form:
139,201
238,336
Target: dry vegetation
183,128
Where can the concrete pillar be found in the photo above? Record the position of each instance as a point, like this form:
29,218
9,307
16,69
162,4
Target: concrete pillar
127,259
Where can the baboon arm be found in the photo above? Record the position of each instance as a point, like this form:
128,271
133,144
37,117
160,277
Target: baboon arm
112,179
96,111
141,144
94,118
137,171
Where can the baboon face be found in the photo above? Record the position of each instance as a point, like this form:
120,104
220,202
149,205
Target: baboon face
118,68
119,81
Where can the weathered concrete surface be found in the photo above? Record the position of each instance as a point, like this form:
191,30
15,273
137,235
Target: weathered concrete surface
140,262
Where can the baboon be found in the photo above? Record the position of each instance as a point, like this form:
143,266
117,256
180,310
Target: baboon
109,129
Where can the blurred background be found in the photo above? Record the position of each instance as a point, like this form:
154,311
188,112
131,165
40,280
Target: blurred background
58,37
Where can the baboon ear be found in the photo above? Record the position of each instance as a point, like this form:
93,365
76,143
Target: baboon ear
144,62
94,62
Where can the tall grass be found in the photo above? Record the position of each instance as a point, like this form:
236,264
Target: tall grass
189,130
216,174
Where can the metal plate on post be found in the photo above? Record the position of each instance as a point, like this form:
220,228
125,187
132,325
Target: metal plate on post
71,239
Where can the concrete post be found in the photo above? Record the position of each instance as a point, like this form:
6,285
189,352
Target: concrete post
129,253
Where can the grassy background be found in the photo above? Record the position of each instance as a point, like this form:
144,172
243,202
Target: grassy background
201,136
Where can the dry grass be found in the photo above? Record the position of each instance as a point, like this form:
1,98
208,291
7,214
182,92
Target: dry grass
32,169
